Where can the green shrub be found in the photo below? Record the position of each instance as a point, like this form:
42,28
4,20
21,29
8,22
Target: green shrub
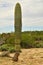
7,47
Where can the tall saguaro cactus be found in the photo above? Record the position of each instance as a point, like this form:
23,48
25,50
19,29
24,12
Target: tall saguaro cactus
18,25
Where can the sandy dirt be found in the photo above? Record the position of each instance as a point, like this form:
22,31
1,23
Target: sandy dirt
33,56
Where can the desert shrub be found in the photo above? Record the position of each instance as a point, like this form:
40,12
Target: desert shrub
24,45
7,47
38,44
28,40
4,47
11,49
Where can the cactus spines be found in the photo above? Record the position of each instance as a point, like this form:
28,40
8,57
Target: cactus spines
18,25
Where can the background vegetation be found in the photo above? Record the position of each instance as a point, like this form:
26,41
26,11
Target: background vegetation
30,39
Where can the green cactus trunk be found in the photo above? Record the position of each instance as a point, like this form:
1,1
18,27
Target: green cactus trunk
18,25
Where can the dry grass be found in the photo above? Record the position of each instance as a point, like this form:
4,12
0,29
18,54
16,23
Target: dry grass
33,56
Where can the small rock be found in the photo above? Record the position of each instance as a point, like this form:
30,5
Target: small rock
15,58
5,53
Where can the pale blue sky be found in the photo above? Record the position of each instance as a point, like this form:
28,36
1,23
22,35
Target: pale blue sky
32,15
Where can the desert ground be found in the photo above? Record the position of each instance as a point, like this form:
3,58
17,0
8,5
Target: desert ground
33,56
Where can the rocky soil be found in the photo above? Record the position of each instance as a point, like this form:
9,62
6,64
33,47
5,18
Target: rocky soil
33,56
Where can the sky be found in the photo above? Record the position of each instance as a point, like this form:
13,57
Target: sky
32,15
